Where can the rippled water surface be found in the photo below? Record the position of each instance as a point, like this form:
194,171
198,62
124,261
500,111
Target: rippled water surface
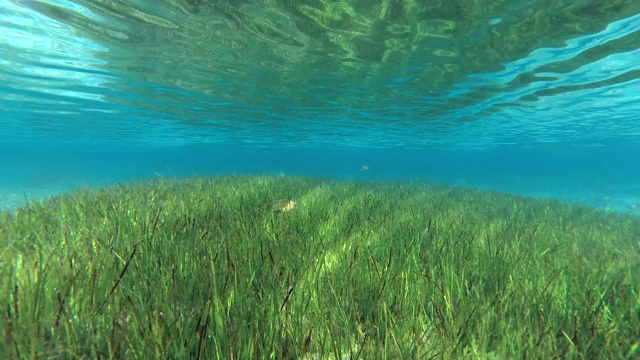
556,82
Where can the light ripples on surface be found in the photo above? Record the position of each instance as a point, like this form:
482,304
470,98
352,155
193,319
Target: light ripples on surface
370,73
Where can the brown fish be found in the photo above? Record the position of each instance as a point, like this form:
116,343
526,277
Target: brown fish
283,206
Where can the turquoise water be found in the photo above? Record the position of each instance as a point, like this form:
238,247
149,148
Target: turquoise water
531,97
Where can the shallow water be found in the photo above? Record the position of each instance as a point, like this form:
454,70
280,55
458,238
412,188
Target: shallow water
532,97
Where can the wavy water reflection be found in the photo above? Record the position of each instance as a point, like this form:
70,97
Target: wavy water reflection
383,73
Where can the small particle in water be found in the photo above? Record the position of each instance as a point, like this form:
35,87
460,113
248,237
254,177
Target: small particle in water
283,206
364,168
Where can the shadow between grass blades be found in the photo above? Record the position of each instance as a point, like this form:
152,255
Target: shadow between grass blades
199,268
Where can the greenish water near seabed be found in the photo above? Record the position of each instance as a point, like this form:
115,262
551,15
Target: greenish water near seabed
531,97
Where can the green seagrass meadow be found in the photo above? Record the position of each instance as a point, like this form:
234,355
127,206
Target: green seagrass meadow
199,269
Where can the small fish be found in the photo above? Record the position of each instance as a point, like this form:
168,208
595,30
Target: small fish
283,206
364,168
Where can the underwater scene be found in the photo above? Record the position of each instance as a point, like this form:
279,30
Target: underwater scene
320,179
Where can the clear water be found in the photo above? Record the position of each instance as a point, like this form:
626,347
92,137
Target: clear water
540,98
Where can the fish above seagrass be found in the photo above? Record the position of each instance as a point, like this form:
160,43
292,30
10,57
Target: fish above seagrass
283,206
